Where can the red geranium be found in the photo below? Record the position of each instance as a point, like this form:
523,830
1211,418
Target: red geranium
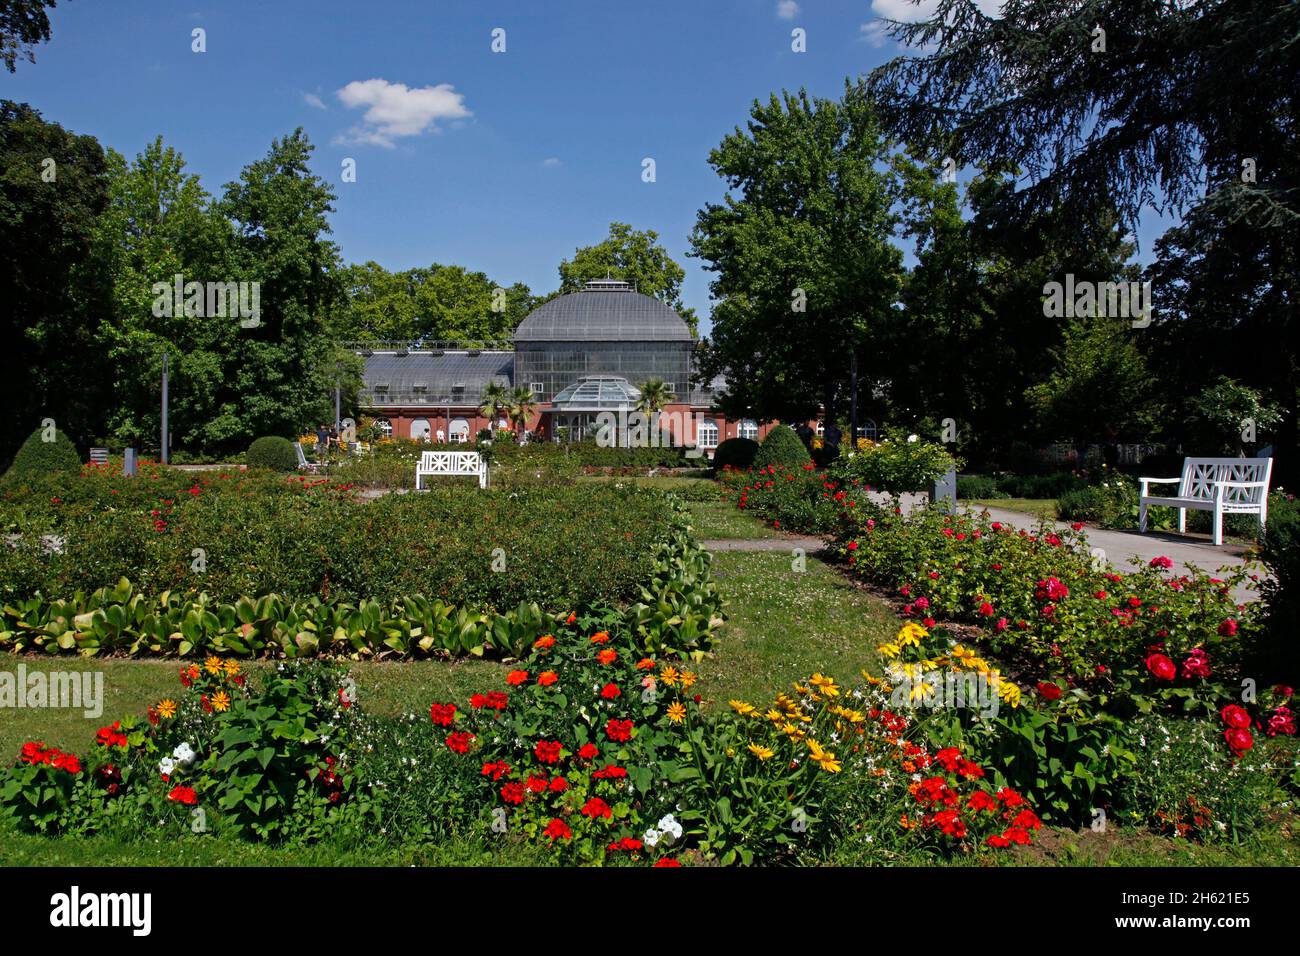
548,751
557,829
610,691
443,714
459,741
185,795
619,730
588,752
596,807
513,792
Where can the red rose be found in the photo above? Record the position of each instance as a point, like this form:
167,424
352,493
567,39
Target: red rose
1239,739
1161,666
1161,562
1050,691
1228,628
1235,716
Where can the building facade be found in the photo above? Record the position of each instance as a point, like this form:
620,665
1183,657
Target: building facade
583,356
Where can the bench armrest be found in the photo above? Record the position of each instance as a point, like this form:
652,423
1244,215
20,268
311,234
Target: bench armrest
1159,481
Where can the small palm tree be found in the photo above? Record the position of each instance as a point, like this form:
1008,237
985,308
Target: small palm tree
520,408
655,395
496,399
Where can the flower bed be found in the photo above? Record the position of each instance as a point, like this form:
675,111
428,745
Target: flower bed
588,750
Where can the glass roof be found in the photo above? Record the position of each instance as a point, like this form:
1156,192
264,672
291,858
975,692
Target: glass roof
598,391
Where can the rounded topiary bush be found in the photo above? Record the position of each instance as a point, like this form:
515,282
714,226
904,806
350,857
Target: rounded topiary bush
273,452
782,448
39,457
736,452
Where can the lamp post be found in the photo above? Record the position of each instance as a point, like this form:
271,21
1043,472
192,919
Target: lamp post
165,456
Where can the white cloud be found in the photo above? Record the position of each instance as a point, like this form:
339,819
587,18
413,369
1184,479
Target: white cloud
550,162
311,99
874,31
394,110
787,9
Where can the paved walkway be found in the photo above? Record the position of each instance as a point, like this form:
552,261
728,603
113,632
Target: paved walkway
809,545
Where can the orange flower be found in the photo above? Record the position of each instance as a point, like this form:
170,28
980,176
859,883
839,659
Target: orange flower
543,642
547,678
600,637
571,618
607,656
515,678
645,664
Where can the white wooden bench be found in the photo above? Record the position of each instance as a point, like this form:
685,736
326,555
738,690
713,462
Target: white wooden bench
450,463
1221,485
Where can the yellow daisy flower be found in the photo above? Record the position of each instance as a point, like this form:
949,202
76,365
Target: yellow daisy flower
214,665
742,708
676,712
688,678
232,667
669,676
167,708
221,701
762,753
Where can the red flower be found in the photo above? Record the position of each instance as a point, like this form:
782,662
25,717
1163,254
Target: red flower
1161,666
1197,664
571,618
1281,721
548,751
596,807
459,741
630,844
547,678
1050,691
610,772
610,691
443,714
1162,562
981,800
1239,739
496,770
1228,628
111,736
1235,716
557,829
666,862
515,678
536,784
986,609
600,637
543,642
619,730
558,785
513,792
607,656
588,752
478,701
185,795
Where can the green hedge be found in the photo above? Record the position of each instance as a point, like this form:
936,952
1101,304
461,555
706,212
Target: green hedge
781,448
675,612
735,453
272,452
37,456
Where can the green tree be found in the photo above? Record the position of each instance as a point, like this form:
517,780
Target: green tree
23,24
1098,385
655,395
280,372
634,256
53,187
520,408
806,275
496,400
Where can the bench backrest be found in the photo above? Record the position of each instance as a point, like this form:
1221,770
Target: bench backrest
1200,474
302,455
451,463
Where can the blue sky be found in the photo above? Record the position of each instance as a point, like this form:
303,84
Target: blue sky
501,162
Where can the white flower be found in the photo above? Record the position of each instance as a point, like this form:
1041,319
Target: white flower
166,766
911,438
184,754
650,837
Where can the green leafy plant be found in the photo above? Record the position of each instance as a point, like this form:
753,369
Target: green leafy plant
273,452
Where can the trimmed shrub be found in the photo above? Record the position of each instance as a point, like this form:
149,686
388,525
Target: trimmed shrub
977,486
273,452
737,452
783,448
37,456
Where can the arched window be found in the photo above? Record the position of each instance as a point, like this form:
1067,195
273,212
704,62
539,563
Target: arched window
749,429
385,427
459,431
420,430
707,434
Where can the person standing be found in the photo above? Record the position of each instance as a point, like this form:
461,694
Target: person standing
322,441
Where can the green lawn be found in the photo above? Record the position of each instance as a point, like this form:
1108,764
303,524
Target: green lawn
785,624
1038,507
723,521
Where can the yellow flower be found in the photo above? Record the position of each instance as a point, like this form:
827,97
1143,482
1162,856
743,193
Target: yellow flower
762,753
964,656
793,732
829,763
742,708
221,701
775,716
676,712
911,633
688,678
870,679
167,708
890,650
669,676
232,667
1007,690
824,684
214,665
801,689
